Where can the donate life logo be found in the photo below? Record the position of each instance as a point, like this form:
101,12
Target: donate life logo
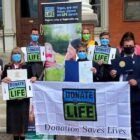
33,54
79,104
17,89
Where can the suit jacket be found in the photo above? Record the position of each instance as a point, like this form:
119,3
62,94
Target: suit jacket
135,91
37,67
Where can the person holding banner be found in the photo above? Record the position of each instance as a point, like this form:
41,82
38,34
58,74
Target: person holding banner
17,109
131,36
37,67
133,78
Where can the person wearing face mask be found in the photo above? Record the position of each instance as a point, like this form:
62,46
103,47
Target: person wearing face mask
81,53
34,37
17,110
104,39
87,39
82,56
37,67
104,69
133,79
131,36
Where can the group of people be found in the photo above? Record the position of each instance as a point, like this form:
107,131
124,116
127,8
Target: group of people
104,73
18,110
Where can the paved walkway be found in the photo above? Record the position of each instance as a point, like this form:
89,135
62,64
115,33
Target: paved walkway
4,136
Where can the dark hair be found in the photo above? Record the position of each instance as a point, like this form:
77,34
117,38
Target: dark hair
75,43
82,45
104,33
126,37
34,29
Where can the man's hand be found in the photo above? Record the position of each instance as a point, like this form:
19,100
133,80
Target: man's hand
133,82
94,70
113,73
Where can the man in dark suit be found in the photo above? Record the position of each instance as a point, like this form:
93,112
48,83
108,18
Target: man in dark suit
37,67
133,78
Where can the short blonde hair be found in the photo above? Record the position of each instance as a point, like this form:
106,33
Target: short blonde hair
17,50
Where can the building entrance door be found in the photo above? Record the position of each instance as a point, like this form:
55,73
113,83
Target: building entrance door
28,16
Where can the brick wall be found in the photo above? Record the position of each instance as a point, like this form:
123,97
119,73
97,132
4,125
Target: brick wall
117,27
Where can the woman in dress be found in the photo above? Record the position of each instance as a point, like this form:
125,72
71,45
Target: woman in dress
18,109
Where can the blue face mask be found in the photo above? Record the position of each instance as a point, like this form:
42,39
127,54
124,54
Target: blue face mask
16,57
35,38
82,55
104,41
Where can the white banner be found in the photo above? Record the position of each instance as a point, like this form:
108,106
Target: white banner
83,109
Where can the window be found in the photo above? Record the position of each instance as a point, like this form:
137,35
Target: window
29,8
1,20
132,10
96,6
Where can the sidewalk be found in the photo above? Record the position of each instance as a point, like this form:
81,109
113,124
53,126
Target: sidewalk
4,136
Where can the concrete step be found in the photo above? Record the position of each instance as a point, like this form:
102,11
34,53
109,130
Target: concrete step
2,121
2,114
4,136
2,108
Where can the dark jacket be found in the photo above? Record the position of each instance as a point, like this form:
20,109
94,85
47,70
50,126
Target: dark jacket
135,91
135,74
37,67
104,72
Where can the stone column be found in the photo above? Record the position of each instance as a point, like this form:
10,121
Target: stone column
88,15
9,24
